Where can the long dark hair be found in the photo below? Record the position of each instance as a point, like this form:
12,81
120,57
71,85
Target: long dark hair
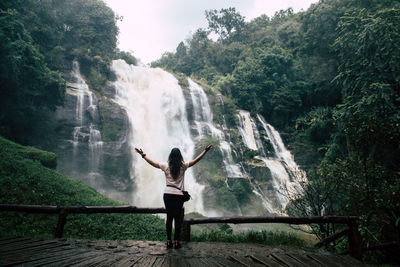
175,161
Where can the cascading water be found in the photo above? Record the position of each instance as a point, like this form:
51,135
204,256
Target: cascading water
246,129
203,120
156,109
85,102
285,173
292,175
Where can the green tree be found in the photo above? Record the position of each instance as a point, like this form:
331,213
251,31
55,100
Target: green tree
28,86
225,22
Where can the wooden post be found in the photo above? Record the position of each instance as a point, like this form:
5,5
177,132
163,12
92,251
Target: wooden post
186,231
62,219
355,241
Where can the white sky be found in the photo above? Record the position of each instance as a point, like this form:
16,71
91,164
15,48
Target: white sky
152,27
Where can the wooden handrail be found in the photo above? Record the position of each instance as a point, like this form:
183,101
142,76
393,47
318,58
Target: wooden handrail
64,211
274,219
355,242
79,209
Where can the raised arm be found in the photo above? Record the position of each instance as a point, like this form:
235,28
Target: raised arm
199,157
151,162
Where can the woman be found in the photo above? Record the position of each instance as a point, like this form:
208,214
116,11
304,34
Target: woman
175,174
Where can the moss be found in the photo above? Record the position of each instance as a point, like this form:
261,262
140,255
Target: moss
109,128
182,80
109,131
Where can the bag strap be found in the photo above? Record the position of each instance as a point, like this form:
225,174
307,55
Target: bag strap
174,186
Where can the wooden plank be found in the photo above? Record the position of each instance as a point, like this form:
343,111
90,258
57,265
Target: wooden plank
332,237
75,259
5,240
176,261
274,219
148,261
129,261
211,262
245,261
265,260
44,259
324,260
159,262
196,262
37,247
79,209
304,260
96,260
226,262
37,254
26,244
12,241
287,260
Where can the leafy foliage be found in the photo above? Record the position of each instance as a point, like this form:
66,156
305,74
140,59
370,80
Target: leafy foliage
329,77
28,86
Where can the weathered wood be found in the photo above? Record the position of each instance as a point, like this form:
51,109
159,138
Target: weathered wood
332,237
62,220
355,241
265,260
246,261
29,208
286,259
79,209
186,231
304,260
275,219
325,260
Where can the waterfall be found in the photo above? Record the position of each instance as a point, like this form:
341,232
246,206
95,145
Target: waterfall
246,129
156,109
203,120
290,175
85,112
285,173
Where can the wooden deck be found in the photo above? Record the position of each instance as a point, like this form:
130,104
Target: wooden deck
74,252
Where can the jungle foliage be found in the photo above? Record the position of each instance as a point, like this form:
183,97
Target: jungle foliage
39,40
27,179
330,78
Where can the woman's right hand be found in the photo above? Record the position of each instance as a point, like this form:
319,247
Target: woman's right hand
139,150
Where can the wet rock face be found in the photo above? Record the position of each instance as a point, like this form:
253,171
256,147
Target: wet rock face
92,139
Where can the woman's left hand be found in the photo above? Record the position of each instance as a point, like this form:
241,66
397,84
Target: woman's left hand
208,147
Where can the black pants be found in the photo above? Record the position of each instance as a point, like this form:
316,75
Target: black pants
173,204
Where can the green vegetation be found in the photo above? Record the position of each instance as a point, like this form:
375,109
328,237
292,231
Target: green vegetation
38,41
329,77
25,179
262,237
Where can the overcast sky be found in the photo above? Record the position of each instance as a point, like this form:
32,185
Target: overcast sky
152,27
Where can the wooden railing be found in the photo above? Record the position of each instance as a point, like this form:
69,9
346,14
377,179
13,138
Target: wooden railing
354,236
64,211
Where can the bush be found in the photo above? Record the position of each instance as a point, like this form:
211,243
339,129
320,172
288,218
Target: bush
263,237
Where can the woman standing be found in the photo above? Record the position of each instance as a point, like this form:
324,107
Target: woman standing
174,171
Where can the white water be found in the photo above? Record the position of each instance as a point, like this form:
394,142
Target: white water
246,129
85,102
204,124
285,173
155,105
293,175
